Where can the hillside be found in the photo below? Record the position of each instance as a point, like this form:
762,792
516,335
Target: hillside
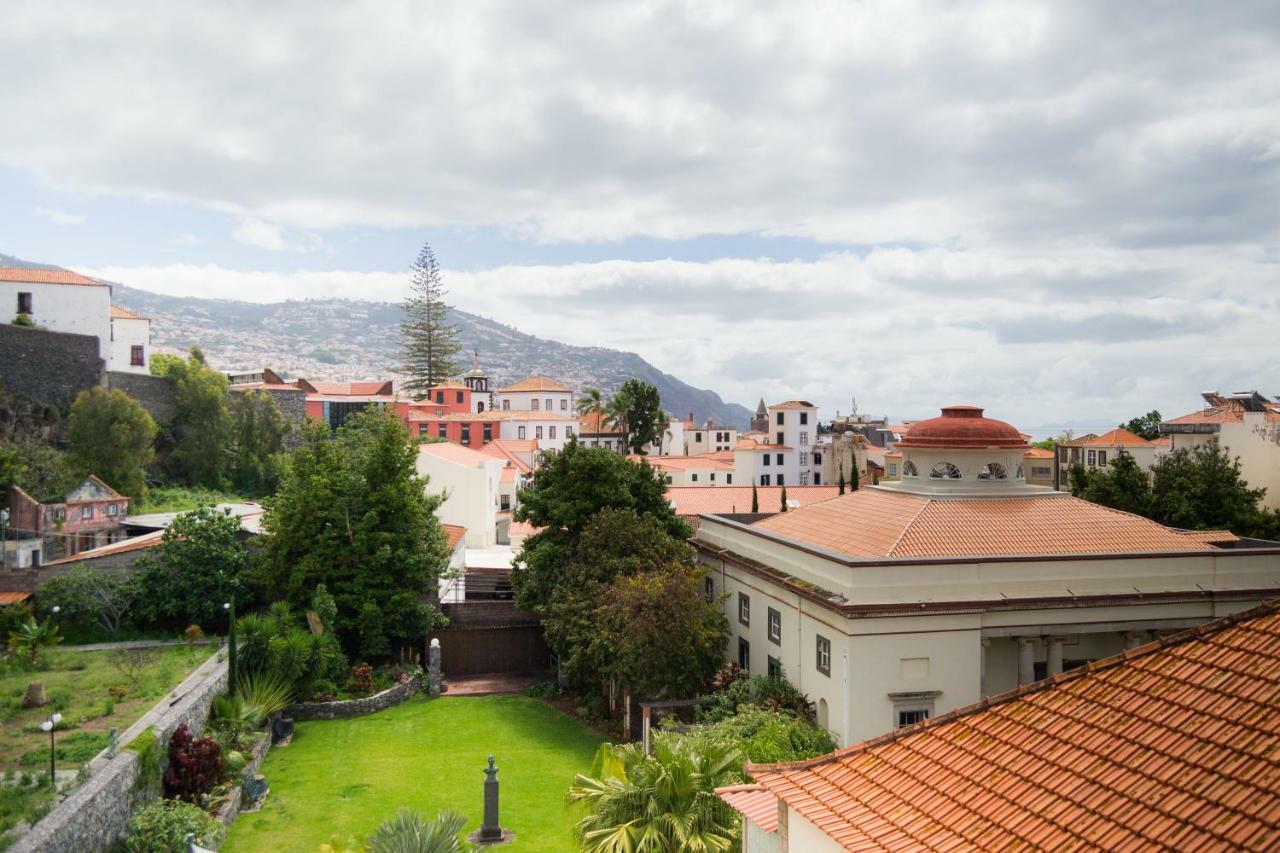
348,339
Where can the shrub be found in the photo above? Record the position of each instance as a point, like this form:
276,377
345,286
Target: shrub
361,679
193,634
774,694
770,736
195,765
24,320
543,690
31,636
163,827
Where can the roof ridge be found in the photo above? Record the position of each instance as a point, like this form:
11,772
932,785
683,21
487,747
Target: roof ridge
906,528
987,702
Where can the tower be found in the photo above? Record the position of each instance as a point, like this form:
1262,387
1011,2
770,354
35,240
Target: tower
478,382
760,423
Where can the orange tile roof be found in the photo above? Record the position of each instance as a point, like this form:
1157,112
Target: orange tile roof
754,802
536,383
454,534
1118,437
1038,453
684,463
793,404
124,546
718,500
1227,412
454,453
596,422
1171,745
509,449
522,528
13,597
59,276
493,415
118,313
880,523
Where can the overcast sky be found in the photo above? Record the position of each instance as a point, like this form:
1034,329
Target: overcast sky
1062,211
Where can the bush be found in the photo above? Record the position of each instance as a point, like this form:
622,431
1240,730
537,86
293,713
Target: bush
770,736
773,694
24,320
193,634
361,680
195,766
163,827
543,690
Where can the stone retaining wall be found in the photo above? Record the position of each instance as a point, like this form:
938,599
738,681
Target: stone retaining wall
156,394
96,815
388,698
231,808
52,367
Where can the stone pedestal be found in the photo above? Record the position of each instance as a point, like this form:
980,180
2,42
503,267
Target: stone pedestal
433,668
490,831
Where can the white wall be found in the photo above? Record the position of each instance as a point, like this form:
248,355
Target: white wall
562,402
125,334
81,309
804,837
471,495
527,428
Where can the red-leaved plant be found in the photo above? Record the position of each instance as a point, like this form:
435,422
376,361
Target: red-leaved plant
195,766
361,680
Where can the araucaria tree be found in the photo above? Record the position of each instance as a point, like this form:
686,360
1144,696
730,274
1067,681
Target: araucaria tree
428,341
113,437
351,513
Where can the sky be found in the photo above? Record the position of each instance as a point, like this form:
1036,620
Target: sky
1065,212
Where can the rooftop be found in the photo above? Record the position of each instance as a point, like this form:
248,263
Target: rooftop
962,427
1172,744
59,276
1229,409
536,383
455,453
118,313
721,500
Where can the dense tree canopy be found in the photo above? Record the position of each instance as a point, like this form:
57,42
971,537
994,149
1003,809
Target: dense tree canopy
202,423
258,432
1145,426
1201,488
112,436
199,566
1123,485
351,513
636,410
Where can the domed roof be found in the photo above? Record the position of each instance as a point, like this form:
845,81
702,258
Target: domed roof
962,427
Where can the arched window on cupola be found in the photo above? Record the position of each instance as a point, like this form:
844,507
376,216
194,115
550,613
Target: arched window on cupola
1020,474
909,469
993,471
944,471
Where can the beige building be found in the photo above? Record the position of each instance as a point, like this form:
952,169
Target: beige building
1096,452
902,601
1247,425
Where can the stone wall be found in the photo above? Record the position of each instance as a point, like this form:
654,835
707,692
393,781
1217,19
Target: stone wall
156,394
52,367
95,816
388,698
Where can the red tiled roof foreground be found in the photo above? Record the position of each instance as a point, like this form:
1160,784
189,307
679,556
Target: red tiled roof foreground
1172,745
754,802
879,523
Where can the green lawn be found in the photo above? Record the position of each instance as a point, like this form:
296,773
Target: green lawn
344,777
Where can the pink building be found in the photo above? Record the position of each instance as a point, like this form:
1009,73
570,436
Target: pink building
88,517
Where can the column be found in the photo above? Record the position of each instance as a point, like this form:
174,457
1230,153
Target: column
982,679
1055,656
1026,660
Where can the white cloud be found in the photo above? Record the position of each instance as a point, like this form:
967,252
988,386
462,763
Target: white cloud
267,235
59,217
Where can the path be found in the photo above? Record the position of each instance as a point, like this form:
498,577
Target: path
134,644
498,682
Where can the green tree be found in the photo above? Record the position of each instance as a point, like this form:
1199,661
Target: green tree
44,472
351,513
1144,426
768,736
112,436
202,422
665,801
782,500
570,487
88,600
636,411
427,339
1123,485
591,402
258,433
1201,489
755,499
1077,480
199,565
840,481
164,364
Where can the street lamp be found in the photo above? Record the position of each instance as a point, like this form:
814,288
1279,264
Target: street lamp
230,607
48,726
4,538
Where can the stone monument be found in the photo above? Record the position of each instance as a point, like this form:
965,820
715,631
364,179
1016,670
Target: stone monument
490,831
433,667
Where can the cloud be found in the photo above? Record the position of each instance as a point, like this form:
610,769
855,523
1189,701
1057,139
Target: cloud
266,235
59,217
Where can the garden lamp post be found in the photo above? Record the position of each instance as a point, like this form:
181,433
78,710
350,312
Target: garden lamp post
4,538
48,726
230,607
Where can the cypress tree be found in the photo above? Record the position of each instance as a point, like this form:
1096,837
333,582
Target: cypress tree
428,341
840,482
784,498
755,499
853,475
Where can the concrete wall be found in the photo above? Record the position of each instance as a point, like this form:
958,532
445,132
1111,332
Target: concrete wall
52,367
125,335
95,816
156,394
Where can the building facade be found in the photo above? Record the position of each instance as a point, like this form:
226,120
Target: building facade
1247,425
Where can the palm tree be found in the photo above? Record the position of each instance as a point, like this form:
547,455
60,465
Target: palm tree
408,832
663,802
615,413
32,636
591,402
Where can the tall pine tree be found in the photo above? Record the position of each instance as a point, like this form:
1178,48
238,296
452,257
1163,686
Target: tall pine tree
428,341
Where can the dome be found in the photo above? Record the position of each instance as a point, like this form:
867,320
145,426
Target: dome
962,427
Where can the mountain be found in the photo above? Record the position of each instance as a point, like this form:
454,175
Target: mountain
349,339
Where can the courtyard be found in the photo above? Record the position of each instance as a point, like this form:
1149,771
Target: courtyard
339,779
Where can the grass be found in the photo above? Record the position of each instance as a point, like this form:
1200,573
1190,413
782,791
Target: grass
341,778
80,685
181,499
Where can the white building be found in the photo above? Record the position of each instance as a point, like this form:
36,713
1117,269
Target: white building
130,341
551,430
899,602
1247,425
470,482
793,429
60,301
536,394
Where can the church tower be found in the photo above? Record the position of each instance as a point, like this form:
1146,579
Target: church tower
478,382
760,423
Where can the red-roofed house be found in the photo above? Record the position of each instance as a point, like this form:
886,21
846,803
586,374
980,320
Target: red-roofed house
87,517
1247,425
902,601
1095,452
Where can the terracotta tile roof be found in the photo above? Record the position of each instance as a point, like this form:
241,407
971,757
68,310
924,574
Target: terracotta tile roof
875,522
793,404
536,383
455,453
1169,746
1118,437
118,313
595,422
1227,412
23,275
754,802
124,546
1210,537
684,463
13,597
454,533
719,500
503,449
492,416
352,389
1038,453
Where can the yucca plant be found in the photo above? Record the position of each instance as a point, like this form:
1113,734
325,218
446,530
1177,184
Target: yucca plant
409,832
262,694
666,801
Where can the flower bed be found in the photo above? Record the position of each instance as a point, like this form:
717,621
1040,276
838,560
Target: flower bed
388,698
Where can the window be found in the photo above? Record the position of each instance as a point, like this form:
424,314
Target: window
667,479
112,510
910,716
782,439
86,512
564,404
944,471
1093,457
909,469
804,458
568,432
779,459
817,459
804,478
136,357
466,433
768,460
775,668
460,397
775,626
506,405
504,502
779,419
804,418
804,438
422,429
781,482
693,478
744,655
1102,458
893,468
521,432
993,471
764,479
744,608
1039,472
441,430
824,655
728,479
534,405
479,406
549,404
24,303
697,436
488,433
537,432
709,588
551,432
440,397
